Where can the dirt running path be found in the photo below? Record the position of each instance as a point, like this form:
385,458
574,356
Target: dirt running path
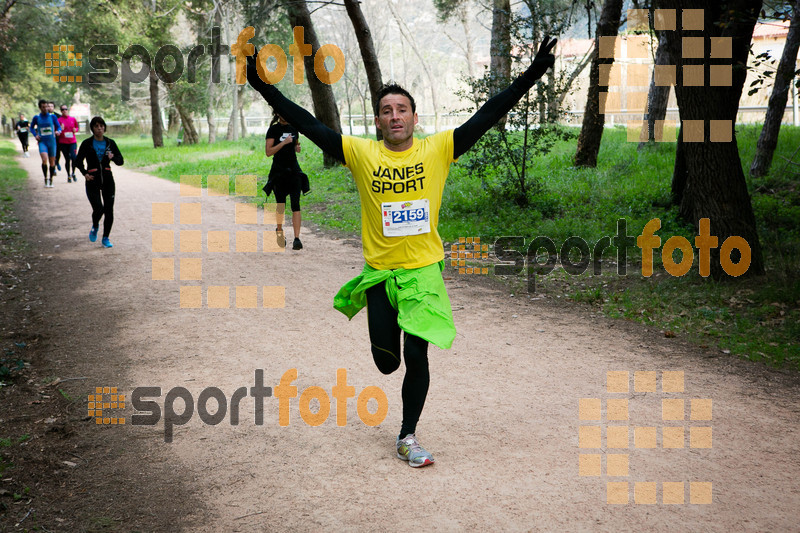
502,416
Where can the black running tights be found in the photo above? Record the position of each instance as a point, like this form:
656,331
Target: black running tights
102,201
384,334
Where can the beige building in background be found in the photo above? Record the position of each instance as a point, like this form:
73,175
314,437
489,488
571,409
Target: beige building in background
631,76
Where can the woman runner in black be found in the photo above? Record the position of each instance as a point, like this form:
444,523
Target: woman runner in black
98,152
22,134
285,177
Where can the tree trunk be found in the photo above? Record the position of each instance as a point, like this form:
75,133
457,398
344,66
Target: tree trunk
242,121
321,93
368,55
349,99
658,95
425,65
712,185
680,174
768,139
571,79
230,132
212,123
593,121
553,99
469,54
500,50
541,90
366,120
189,131
211,86
172,121
233,132
156,126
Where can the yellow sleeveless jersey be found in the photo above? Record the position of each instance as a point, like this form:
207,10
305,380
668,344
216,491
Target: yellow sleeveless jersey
401,193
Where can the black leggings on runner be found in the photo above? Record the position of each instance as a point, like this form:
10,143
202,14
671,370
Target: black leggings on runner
69,155
384,334
288,184
23,139
102,201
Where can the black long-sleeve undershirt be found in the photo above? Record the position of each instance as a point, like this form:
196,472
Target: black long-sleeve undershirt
467,134
328,140
464,136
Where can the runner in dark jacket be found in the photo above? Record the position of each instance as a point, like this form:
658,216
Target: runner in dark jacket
97,152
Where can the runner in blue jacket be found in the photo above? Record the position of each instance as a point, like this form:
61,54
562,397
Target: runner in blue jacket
45,127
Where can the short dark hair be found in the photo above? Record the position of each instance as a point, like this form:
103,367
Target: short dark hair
41,102
393,88
95,121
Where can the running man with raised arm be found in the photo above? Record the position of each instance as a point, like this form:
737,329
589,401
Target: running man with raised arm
400,181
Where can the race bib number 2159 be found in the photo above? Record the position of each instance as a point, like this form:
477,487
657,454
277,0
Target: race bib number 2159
411,217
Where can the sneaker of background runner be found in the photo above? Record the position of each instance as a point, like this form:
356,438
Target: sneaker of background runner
58,166
281,238
408,449
107,243
26,155
74,178
297,245
69,179
93,234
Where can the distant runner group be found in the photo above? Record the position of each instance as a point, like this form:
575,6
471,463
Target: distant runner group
57,135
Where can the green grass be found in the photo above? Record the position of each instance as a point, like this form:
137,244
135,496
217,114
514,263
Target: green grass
756,318
12,181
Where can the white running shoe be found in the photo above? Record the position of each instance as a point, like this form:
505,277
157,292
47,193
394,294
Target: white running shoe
408,449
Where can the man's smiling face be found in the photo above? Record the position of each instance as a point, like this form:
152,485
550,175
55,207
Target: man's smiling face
396,120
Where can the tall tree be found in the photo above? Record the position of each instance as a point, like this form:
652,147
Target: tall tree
446,9
500,49
212,83
190,135
157,126
708,181
426,67
368,55
157,30
658,94
22,77
227,16
593,121
784,77
321,93
500,45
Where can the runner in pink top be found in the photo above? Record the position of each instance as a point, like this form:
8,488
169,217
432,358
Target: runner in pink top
67,142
